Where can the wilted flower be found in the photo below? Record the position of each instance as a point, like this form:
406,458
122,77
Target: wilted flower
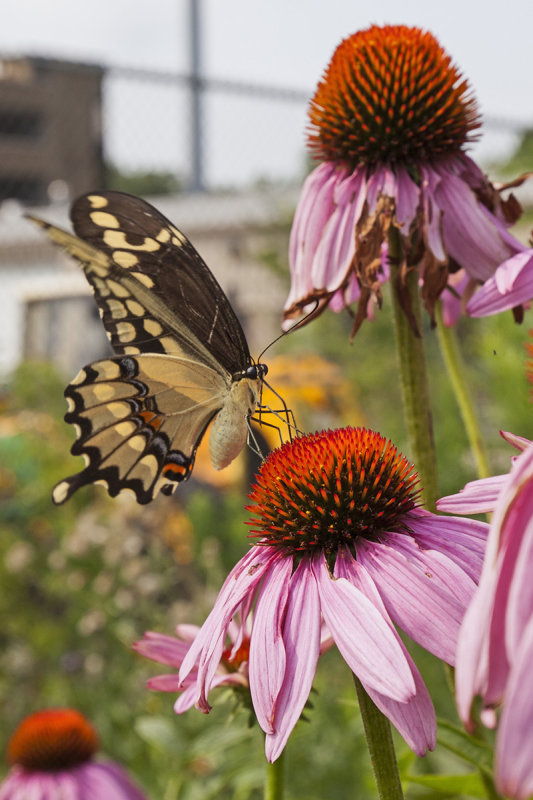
495,649
51,752
342,542
390,120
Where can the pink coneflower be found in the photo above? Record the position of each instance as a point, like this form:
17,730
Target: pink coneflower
51,752
341,542
389,121
495,648
232,669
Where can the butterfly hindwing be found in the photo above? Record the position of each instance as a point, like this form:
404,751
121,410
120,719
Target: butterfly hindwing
139,421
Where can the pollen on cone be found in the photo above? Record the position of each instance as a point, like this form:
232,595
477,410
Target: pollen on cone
390,94
53,739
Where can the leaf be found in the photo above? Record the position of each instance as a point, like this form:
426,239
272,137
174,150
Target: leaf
451,785
457,741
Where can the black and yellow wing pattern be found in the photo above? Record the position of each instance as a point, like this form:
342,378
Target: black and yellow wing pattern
181,355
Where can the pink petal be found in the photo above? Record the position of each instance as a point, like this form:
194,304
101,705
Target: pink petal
463,540
415,719
477,497
301,635
473,237
425,593
510,286
162,648
520,442
432,213
407,200
267,651
365,640
206,650
514,765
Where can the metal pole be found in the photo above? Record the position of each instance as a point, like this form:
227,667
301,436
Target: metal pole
196,178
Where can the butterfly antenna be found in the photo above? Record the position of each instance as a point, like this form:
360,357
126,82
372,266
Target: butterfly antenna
293,328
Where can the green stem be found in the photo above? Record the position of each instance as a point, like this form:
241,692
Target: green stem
456,372
413,378
274,779
380,745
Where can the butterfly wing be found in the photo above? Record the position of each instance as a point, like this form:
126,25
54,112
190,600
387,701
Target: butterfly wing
157,298
139,421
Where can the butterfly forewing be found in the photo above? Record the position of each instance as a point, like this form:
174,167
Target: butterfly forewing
159,288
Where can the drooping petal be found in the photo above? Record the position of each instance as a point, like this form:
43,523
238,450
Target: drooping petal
425,592
407,199
514,765
267,650
415,719
301,635
206,650
163,648
473,237
365,640
510,286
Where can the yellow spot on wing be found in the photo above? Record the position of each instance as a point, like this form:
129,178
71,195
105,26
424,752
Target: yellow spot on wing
126,331
137,443
135,308
103,391
131,350
60,492
163,235
117,240
80,377
104,219
107,370
144,279
125,259
118,289
153,327
117,308
97,201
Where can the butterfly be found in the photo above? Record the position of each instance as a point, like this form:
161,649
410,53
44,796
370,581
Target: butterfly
182,359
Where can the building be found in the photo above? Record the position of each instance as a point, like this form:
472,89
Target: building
50,129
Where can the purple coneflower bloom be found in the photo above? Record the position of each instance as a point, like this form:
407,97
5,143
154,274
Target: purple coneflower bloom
495,648
389,122
51,752
341,542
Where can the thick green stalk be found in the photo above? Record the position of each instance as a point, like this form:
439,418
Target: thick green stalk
456,373
380,745
274,779
413,378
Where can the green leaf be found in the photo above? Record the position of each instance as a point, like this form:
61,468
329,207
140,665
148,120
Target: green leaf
469,785
474,751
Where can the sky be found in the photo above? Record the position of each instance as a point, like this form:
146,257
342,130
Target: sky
285,43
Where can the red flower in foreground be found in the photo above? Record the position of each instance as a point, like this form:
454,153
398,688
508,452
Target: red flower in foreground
389,121
495,649
341,543
51,752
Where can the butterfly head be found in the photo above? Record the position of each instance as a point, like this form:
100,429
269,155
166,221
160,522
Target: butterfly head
254,372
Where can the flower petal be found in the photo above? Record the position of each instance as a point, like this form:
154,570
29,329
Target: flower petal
425,593
365,640
510,286
514,765
267,651
206,650
301,635
477,497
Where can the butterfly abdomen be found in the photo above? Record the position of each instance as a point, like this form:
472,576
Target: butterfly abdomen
230,428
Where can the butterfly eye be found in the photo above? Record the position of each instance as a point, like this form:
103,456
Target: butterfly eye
255,371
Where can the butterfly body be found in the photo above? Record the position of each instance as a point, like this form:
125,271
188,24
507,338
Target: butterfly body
181,360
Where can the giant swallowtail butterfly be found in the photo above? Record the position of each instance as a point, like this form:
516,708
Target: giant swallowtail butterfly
181,355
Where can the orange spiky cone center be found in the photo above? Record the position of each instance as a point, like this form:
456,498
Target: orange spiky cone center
53,740
390,95
324,490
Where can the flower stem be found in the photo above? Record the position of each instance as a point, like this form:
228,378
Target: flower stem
412,366
456,372
380,746
274,779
